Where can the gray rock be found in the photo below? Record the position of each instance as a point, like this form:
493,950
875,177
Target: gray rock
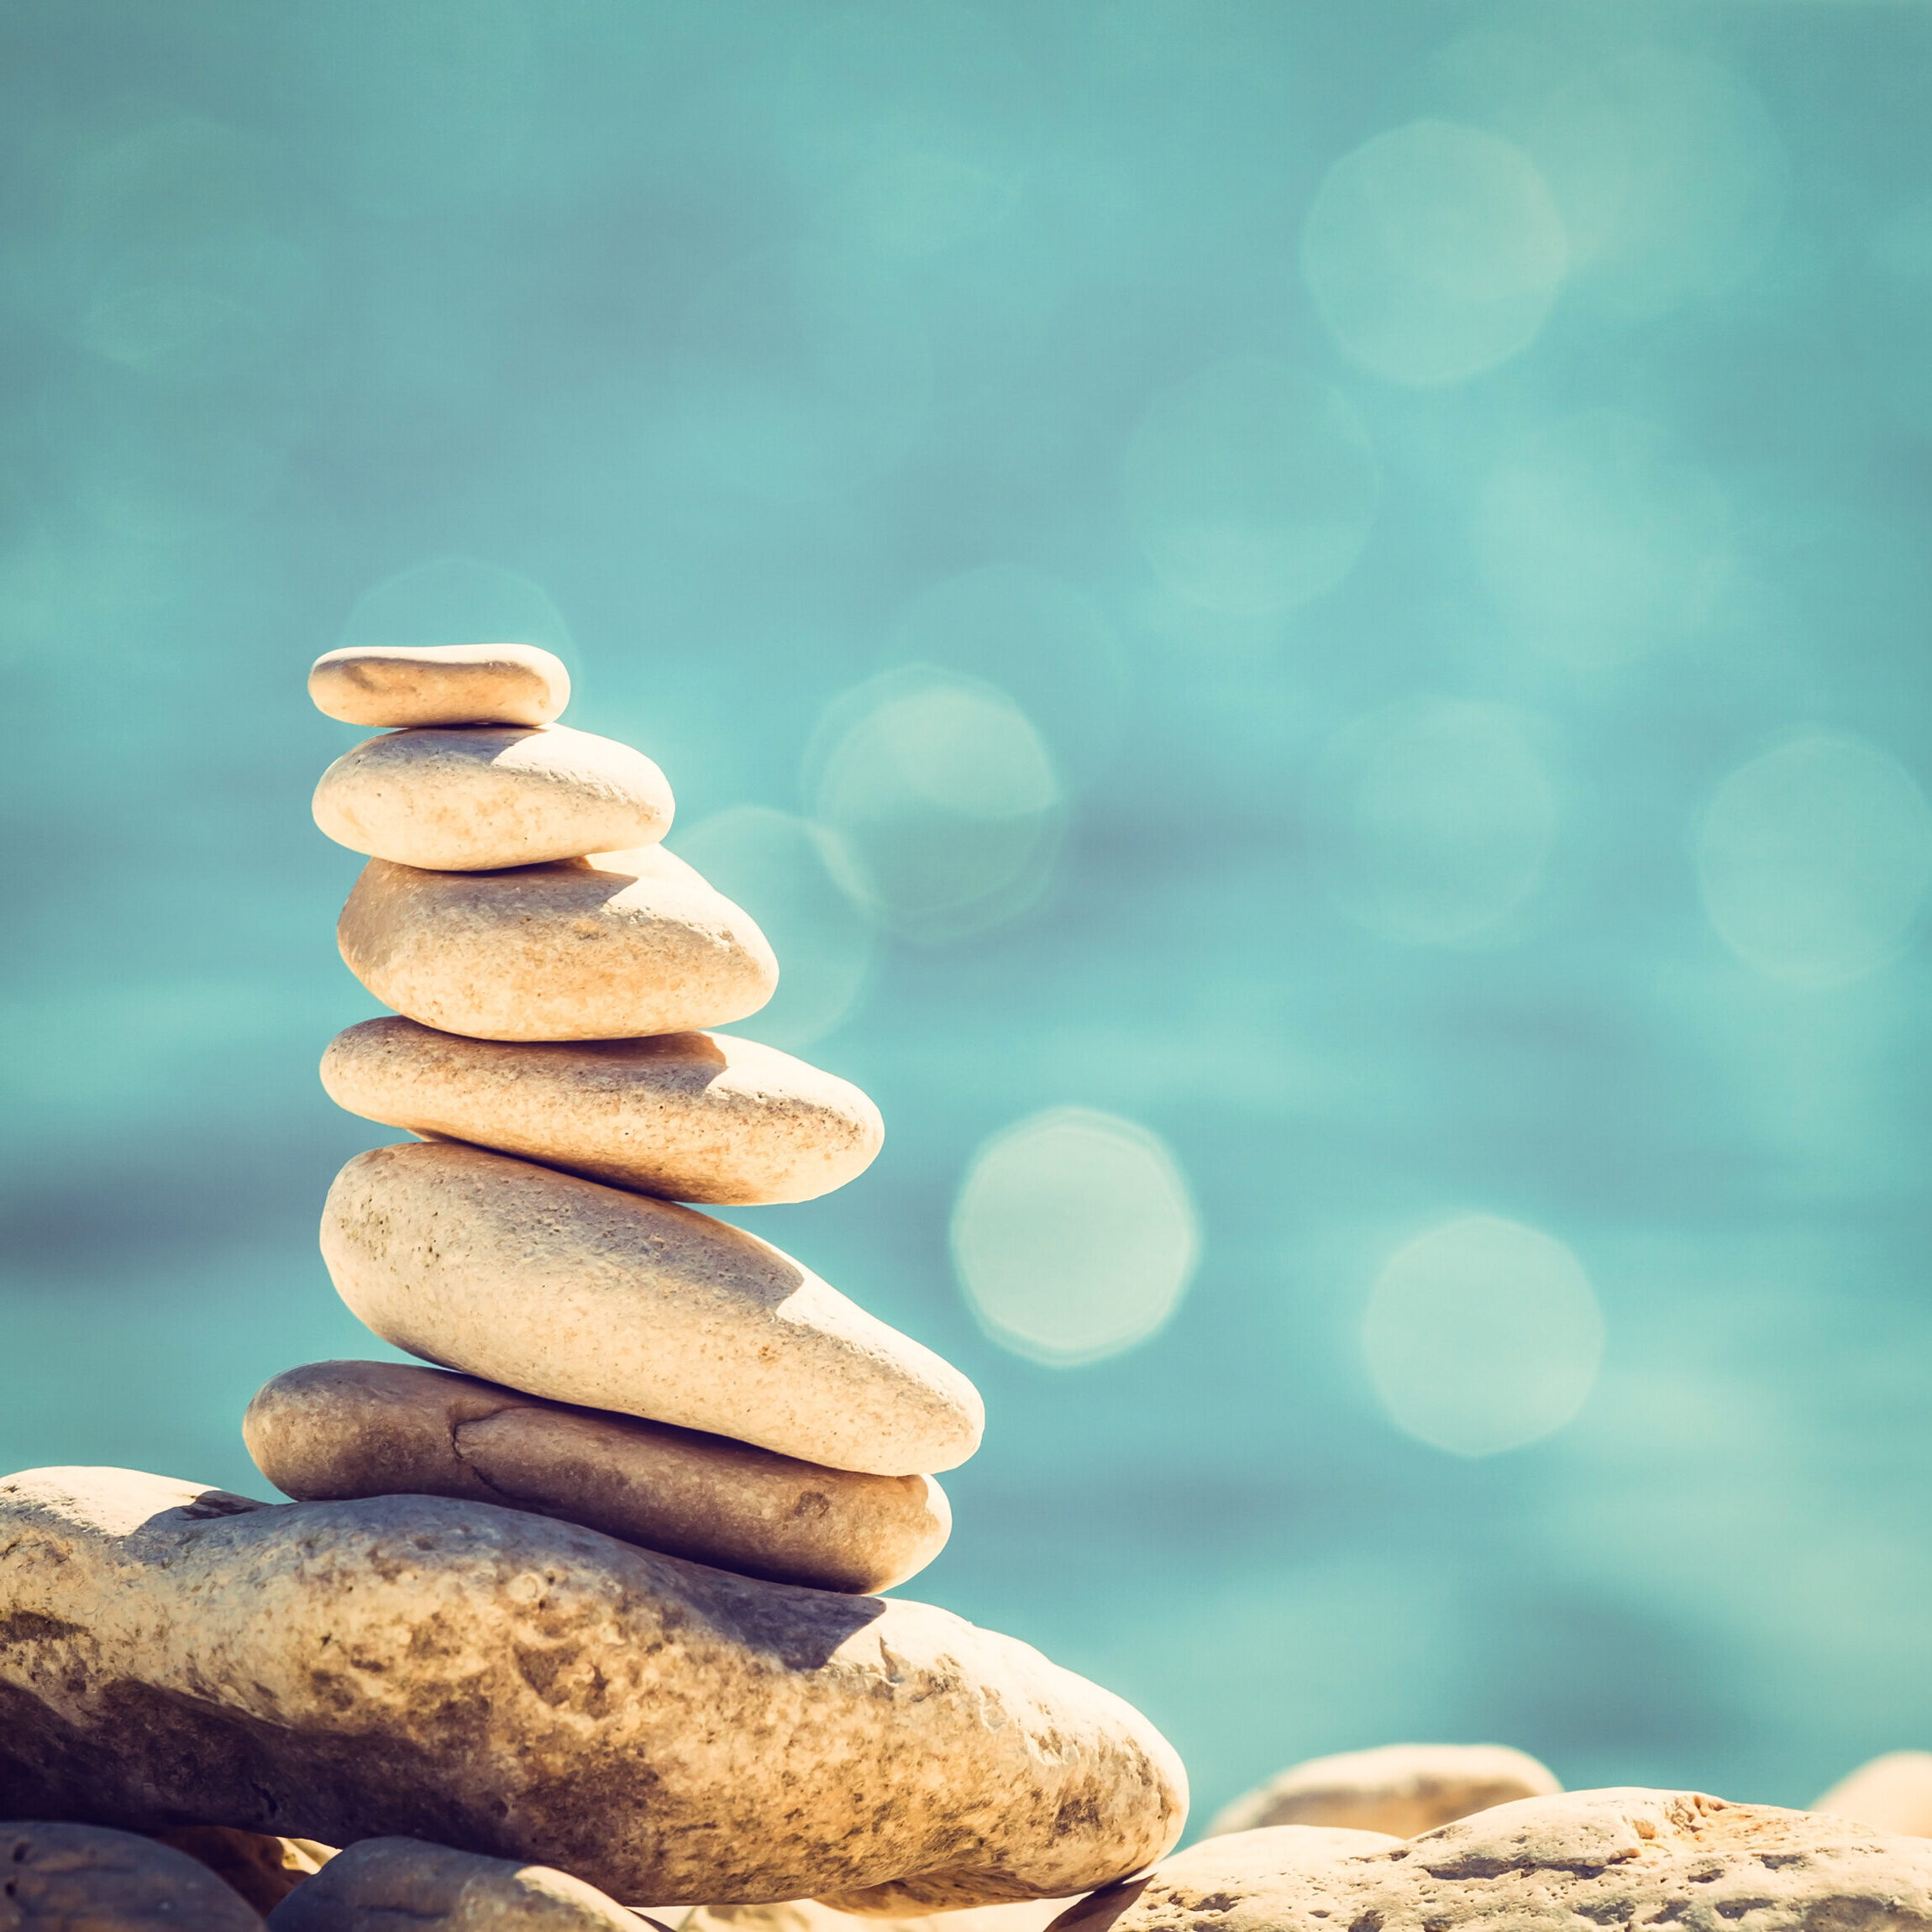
502,1684
1577,1862
402,1885
82,1878
1400,1788
334,1431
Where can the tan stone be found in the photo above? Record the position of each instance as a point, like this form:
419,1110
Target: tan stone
809,1915
691,1116
586,1295
384,1882
399,684
503,1684
338,1429
1592,1859
1891,1793
599,948
263,1868
1402,1789
481,797
83,1878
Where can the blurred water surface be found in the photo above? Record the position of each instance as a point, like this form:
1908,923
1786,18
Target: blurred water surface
1309,625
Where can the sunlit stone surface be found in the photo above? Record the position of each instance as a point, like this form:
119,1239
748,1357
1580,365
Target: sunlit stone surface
1399,1788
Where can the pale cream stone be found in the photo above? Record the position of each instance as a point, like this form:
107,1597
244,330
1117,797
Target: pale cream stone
1622,1858
1891,1793
84,1878
691,1116
382,1883
399,684
600,948
338,1429
481,797
1402,1789
811,1915
503,1684
587,1294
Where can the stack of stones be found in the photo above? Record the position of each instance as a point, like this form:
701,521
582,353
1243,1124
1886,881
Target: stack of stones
622,1361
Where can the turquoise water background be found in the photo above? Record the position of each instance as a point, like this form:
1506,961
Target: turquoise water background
1342,590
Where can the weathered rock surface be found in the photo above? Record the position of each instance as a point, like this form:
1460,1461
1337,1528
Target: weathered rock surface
500,1683
263,1869
402,1885
589,1295
1571,1863
440,685
82,1878
691,1116
339,1429
809,1915
1401,1789
479,797
600,948
1891,1793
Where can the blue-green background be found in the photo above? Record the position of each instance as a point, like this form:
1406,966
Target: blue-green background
719,335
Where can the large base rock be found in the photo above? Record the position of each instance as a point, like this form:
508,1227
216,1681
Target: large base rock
503,1684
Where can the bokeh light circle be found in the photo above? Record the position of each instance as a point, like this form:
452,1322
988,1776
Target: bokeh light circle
1447,815
1434,252
784,871
1074,1236
947,801
1482,1336
1815,859
1602,540
1252,487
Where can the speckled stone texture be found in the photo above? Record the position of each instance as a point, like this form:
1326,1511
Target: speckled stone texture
82,1878
401,1885
331,1430
591,1296
499,1682
1579,1862
1399,1788
689,1116
603,947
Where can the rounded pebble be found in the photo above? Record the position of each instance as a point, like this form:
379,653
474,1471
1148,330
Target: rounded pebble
611,1300
604,947
399,685
334,1430
1890,1793
691,1116
479,797
86,1878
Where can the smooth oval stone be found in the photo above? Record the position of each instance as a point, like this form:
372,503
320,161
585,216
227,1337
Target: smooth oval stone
399,684
497,1682
83,1878
812,1915
691,1116
599,948
481,797
1599,1858
586,1295
1402,1789
337,1430
385,1883
1891,1793
263,1869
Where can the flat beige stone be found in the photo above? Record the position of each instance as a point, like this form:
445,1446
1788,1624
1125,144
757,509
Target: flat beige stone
1891,1793
263,1868
385,1883
398,684
338,1429
691,1116
599,948
589,1295
83,1878
479,797
1402,1789
502,1684
1582,1860
809,1915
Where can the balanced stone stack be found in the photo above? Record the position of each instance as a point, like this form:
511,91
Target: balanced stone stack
590,1590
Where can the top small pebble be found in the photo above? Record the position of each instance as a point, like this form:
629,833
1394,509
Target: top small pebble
402,684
